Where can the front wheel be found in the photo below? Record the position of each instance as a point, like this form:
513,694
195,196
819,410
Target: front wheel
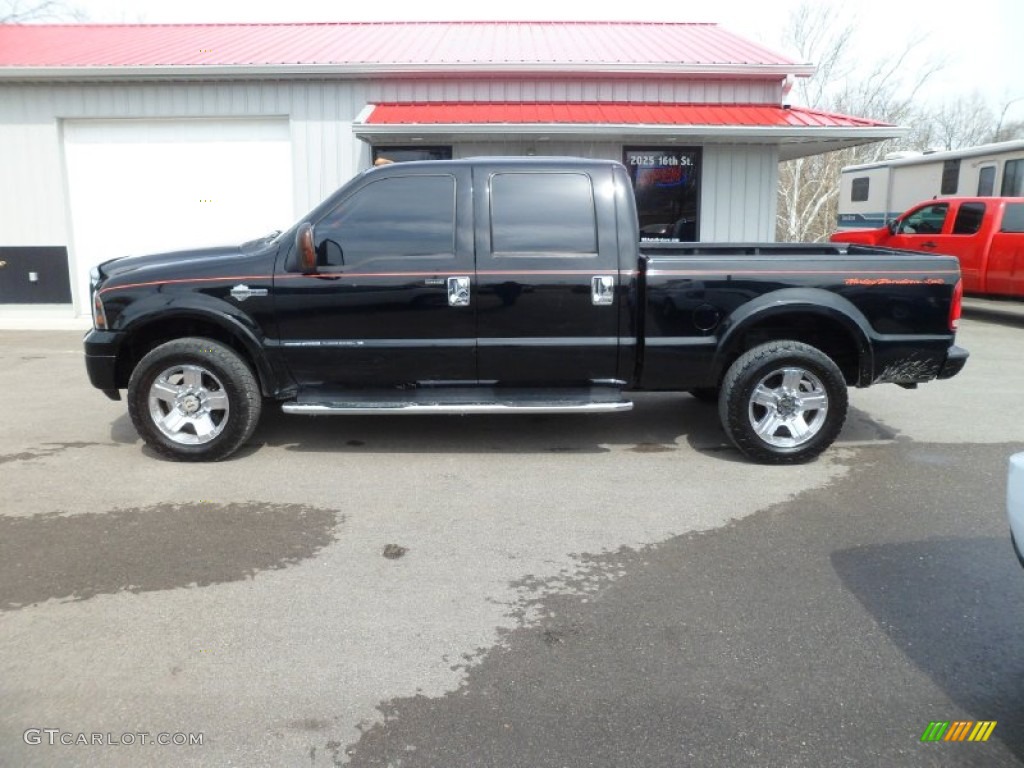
783,402
194,399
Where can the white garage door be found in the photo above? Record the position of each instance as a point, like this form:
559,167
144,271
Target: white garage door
145,186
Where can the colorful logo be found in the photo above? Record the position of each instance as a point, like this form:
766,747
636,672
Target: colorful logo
958,730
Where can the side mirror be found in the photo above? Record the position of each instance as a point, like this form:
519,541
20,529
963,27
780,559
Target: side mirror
894,224
304,245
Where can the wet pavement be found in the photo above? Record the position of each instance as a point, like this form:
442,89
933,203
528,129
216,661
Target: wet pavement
537,591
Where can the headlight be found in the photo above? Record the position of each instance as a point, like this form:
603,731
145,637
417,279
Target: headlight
99,315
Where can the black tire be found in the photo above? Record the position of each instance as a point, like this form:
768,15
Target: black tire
194,399
707,395
778,424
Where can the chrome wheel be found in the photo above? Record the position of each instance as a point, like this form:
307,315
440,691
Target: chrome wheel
188,404
788,407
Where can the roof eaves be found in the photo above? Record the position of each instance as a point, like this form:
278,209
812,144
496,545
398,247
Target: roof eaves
244,71
673,129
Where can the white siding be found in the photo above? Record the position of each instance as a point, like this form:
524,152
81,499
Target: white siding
32,210
321,114
738,193
739,181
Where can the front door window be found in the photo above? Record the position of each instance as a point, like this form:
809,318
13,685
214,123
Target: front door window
925,221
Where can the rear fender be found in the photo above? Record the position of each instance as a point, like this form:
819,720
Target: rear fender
796,302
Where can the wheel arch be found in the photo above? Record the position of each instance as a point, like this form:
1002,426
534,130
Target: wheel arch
816,317
147,333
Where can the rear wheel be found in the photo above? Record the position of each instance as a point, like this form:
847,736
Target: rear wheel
783,402
194,399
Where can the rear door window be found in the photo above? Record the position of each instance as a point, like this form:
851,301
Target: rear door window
969,218
550,214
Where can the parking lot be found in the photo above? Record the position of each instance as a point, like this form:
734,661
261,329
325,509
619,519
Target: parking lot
511,591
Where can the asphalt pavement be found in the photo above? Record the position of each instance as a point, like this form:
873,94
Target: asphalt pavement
537,591
825,631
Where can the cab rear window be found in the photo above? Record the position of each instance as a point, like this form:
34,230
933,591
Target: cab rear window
1013,218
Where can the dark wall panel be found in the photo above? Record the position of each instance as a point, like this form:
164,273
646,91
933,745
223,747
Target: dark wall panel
50,265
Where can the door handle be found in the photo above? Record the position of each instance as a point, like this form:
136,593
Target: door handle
458,291
602,290
929,244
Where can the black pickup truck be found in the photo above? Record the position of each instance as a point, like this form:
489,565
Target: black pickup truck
501,285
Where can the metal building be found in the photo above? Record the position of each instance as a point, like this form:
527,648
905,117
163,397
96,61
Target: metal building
127,139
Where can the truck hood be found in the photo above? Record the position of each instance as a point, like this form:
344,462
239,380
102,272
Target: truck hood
140,266
862,236
204,261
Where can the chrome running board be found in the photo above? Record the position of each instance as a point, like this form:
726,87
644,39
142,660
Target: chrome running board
464,409
457,400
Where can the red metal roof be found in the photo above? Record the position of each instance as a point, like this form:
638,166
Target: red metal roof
452,45
610,113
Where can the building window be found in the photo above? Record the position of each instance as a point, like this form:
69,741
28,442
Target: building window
950,177
1013,178
968,218
666,182
987,181
405,154
859,189
543,213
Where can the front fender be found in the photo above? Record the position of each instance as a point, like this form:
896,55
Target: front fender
804,302
146,314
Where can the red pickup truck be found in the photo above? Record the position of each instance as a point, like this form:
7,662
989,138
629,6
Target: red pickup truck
985,233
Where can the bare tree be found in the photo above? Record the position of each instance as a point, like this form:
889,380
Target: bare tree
22,11
824,34
886,90
963,122
1007,130
1010,131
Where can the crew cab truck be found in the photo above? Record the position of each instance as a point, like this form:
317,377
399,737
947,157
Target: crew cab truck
510,286
986,234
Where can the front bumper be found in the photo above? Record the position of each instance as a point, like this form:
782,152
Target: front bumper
101,348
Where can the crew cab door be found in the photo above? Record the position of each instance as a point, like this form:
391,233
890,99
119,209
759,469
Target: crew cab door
951,228
392,299
1005,264
547,274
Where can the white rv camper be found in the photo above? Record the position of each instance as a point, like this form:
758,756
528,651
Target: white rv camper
873,193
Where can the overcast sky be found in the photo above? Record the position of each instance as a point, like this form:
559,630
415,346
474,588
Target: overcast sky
982,41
